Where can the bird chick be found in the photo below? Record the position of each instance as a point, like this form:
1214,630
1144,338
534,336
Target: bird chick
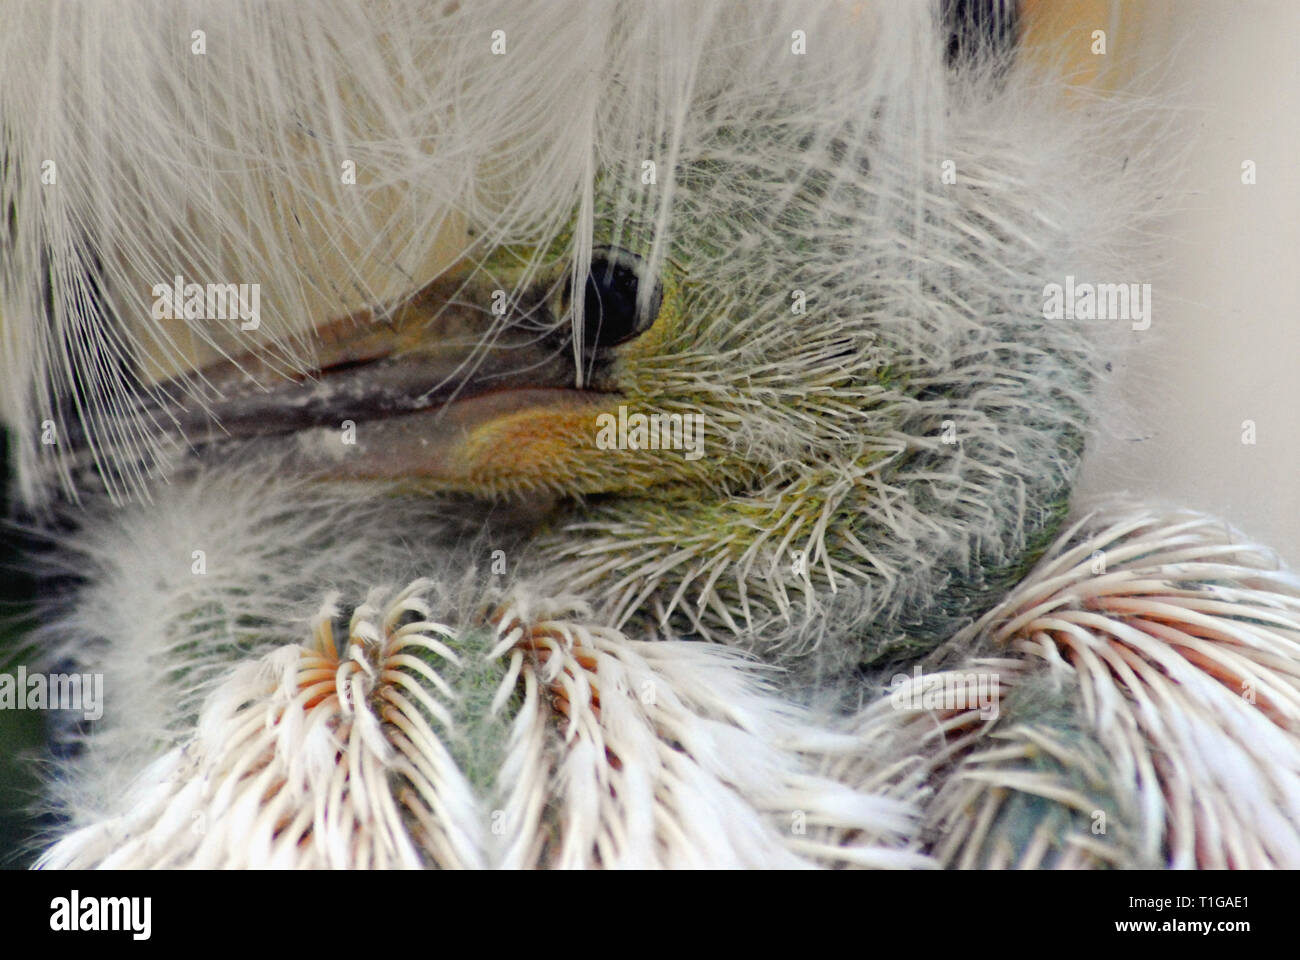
721,323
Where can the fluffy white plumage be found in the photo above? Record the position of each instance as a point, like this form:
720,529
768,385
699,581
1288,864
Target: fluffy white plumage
489,765
345,754
1149,669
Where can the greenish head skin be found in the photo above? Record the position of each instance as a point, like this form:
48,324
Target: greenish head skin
832,434
830,424
890,428
871,427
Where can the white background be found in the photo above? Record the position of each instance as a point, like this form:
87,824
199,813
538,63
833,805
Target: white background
1224,346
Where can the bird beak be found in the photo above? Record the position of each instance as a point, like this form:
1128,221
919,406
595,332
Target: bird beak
443,391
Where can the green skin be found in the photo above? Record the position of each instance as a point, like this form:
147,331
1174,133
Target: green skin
731,526
730,505
1078,766
751,508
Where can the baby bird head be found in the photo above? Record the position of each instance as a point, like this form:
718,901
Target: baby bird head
748,304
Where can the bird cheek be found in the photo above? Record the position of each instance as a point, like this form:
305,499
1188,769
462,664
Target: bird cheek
547,447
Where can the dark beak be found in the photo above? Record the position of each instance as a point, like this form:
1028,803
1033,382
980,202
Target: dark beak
397,396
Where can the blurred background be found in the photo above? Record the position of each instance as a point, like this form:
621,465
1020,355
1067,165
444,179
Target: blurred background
1222,356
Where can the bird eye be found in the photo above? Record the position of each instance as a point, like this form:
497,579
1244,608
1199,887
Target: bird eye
612,299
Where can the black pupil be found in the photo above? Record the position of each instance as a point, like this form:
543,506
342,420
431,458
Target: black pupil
610,313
